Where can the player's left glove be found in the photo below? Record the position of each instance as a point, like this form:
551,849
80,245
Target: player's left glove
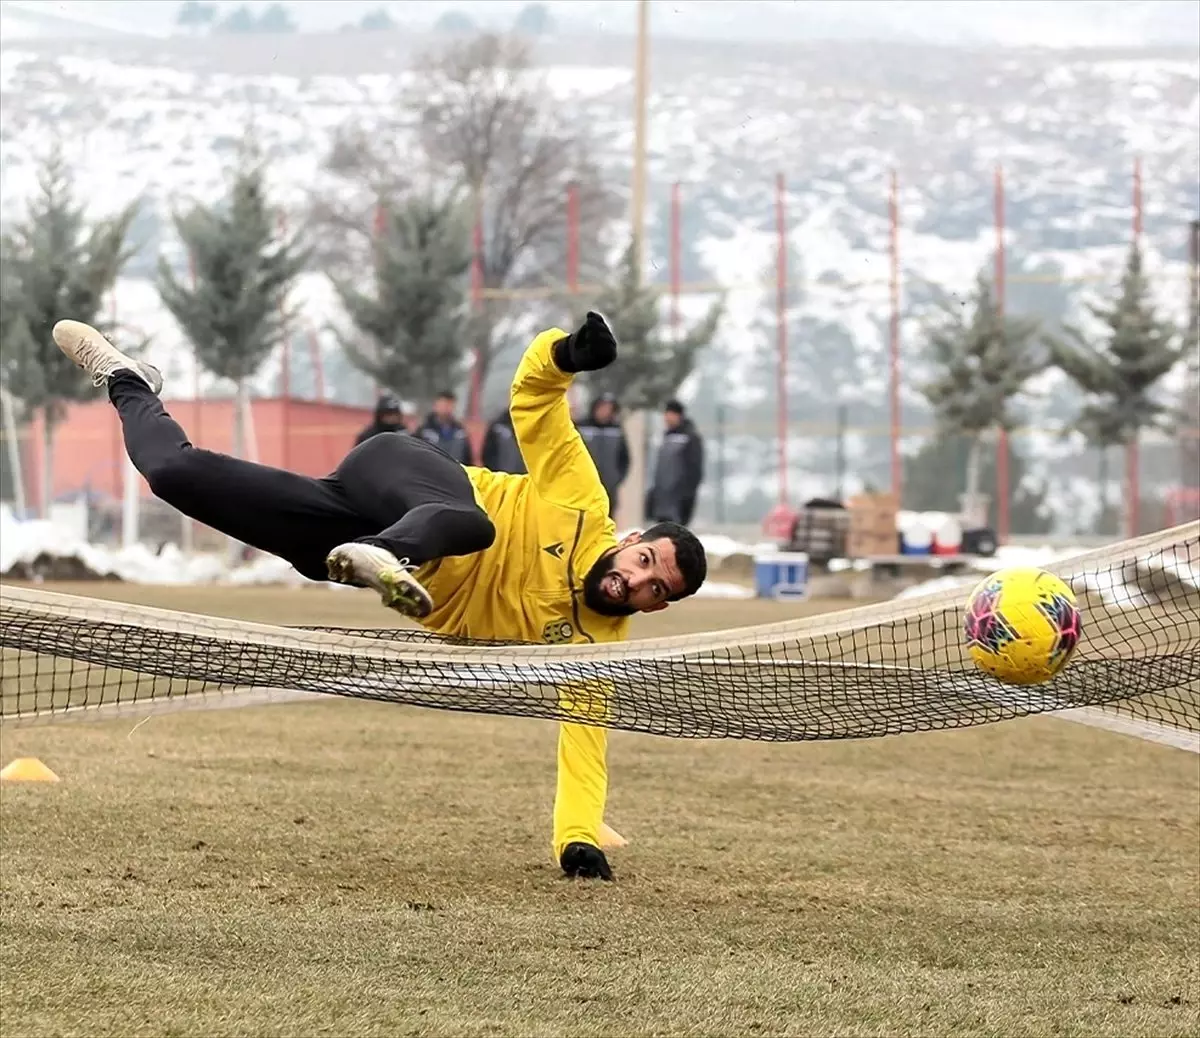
591,347
583,861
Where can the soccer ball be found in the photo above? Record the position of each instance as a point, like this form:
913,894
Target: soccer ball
1022,625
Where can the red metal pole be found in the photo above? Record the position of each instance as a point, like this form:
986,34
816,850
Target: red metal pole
676,272
781,331
197,408
573,238
894,335
314,348
379,229
318,363
1132,473
117,438
189,530
286,379
476,305
1002,487
286,374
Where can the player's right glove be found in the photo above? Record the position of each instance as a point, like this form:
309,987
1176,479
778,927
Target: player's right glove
590,348
583,861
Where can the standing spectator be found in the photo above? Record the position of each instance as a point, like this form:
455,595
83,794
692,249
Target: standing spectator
607,445
443,429
389,417
679,470
501,452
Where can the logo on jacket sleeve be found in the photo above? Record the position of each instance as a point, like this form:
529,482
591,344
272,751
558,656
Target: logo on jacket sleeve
555,549
558,631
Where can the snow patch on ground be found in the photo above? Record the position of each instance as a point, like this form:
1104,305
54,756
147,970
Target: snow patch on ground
37,546
717,589
33,548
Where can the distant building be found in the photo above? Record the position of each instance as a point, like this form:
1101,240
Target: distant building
305,436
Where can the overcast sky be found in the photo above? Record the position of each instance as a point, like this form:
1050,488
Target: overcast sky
1020,22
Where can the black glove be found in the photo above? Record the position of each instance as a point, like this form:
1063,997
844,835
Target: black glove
590,348
583,861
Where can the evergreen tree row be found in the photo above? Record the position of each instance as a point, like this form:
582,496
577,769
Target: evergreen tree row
983,362
433,281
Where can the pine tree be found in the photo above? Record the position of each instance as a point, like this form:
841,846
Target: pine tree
1102,432
196,15
1190,431
982,361
653,363
1120,368
935,478
415,318
54,263
244,267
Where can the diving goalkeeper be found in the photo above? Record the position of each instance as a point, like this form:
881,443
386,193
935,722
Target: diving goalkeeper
464,551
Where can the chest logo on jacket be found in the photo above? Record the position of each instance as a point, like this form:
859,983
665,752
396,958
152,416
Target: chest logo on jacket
558,631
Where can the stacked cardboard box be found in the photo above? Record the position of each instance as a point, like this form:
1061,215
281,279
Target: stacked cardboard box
873,529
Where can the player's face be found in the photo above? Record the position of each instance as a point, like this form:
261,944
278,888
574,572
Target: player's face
639,577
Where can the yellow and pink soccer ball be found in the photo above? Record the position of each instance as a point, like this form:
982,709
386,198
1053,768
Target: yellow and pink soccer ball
1022,625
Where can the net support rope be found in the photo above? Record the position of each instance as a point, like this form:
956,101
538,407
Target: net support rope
886,669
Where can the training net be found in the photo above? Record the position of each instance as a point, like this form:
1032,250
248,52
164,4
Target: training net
879,670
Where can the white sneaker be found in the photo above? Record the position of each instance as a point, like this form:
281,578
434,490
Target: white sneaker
365,565
92,352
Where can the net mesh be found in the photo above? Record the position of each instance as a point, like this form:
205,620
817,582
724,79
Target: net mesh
880,670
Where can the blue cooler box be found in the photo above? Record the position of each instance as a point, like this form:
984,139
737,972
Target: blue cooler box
781,575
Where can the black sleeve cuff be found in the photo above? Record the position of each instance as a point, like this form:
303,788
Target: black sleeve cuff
562,356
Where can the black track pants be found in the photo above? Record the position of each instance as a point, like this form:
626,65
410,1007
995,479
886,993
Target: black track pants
393,490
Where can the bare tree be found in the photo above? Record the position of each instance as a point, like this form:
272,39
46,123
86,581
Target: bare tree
480,113
367,171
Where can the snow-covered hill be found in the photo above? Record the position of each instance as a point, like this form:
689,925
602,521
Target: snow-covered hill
28,21
163,124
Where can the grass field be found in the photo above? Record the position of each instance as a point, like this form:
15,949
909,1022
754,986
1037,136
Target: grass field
351,868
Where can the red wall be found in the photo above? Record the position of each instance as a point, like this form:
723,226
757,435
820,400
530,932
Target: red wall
304,436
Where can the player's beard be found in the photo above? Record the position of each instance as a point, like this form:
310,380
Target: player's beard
593,589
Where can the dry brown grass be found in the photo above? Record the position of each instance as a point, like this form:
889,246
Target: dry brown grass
356,868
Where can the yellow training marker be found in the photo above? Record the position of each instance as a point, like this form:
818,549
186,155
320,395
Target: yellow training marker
27,769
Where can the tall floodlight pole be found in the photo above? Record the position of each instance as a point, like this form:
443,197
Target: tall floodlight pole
641,76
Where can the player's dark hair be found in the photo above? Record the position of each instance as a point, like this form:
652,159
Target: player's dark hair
447,394
689,555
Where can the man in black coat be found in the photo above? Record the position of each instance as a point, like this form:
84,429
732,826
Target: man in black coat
389,417
606,443
501,452
679,470
443,429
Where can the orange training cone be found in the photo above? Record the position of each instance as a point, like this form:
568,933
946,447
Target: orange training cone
610,838
27,769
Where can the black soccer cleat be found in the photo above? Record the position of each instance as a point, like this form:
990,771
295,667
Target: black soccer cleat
584,861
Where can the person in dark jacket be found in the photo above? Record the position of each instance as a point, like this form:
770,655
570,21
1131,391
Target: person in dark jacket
443,429
501,452
679,469
607,445
389,417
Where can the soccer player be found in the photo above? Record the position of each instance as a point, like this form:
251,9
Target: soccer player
466,552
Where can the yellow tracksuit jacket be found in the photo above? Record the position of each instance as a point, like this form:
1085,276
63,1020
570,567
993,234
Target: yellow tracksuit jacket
551,526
